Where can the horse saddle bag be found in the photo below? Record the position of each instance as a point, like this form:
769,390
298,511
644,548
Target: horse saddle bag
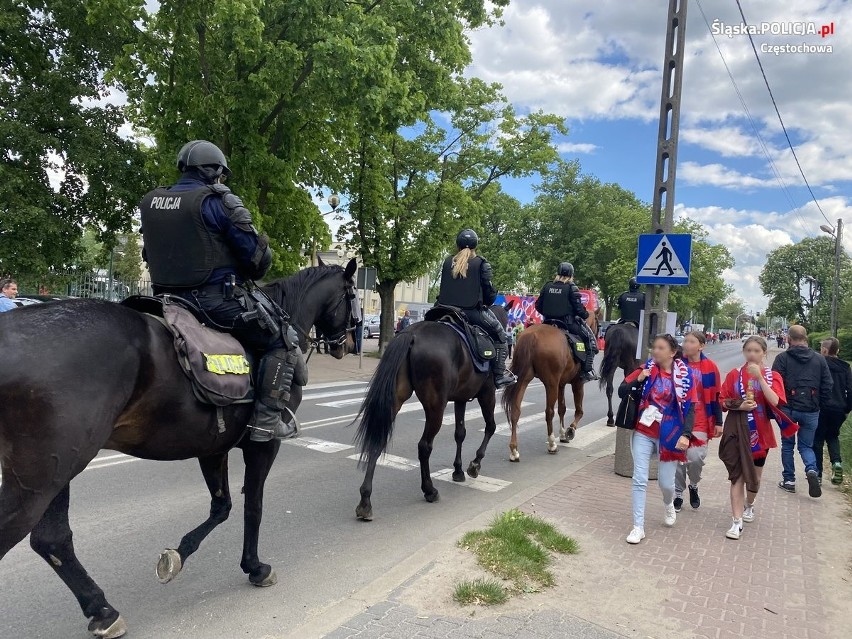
214,362
479,343
575,342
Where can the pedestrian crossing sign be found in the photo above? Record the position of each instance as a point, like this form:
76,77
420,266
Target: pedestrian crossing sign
664,258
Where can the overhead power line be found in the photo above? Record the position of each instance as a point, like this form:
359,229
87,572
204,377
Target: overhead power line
778,113
794,206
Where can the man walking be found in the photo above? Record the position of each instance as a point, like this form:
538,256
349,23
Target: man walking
8,292
808,384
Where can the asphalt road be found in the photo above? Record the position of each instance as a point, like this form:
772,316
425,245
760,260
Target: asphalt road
125,511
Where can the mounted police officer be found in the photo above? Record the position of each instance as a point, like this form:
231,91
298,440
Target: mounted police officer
466,283
630,303
200,244
560,300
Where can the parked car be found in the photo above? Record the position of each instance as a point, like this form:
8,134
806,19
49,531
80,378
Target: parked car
28,300
745,337
679,337
372,324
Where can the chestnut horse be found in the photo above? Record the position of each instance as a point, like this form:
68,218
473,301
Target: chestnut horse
542,351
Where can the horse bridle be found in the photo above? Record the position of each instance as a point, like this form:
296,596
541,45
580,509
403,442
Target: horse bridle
350,297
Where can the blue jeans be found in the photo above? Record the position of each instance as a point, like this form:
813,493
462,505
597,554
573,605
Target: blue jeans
808,423
642,448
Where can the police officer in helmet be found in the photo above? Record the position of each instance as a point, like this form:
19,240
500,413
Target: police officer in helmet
466,283
560,300
200,244
630,303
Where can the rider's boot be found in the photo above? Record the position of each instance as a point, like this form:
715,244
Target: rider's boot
589,365
502,376
273,390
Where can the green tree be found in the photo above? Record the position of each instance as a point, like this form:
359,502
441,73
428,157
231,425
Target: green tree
409,196
64,164
728,311
707,288
798,280
287,88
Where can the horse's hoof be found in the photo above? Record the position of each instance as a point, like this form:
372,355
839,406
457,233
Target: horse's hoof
169,565
514,455
266,577
610,423
364,513
458,475
108,630
570,433
432,497
553,450
473,470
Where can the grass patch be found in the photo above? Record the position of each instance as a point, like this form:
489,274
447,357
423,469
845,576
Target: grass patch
483,592
846,447
517,548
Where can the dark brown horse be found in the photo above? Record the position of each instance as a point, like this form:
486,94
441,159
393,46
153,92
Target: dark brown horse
431,360
620,344
542,351
82,375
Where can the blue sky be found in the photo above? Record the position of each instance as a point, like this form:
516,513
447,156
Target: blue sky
598,64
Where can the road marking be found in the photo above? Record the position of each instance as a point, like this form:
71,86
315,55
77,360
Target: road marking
590,433
340,403
392,461
312,387
473,413
319,445
483,483
334,393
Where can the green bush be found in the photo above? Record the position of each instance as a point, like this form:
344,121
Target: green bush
843,334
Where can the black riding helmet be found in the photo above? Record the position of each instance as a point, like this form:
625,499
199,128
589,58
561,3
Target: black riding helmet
566,269
467,239
201,154
634,285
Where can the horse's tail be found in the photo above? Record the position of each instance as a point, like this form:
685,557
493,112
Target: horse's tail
521,366
376,415
612,353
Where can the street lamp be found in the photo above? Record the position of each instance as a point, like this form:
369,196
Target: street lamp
837,234
736,319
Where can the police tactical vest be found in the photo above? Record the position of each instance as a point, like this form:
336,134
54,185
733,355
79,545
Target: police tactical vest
631,304
556,300
464,292
181,250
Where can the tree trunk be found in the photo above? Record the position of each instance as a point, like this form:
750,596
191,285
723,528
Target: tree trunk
385,289
610,304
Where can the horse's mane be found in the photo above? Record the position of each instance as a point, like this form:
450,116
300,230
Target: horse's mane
289,292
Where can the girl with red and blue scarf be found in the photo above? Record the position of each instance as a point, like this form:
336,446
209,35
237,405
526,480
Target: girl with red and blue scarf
708,417
665,392
759,391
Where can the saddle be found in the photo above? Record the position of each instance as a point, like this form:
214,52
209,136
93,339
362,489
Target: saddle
575,342
215,362
478,342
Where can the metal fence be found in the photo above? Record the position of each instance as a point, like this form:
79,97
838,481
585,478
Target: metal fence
105,288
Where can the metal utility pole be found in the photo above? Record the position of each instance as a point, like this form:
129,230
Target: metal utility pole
837,234
662,211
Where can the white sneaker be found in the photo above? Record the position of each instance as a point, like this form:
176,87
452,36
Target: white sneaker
736,530
636,535
671,516
748,514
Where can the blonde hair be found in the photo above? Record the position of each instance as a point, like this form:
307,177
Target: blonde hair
460,262
563,278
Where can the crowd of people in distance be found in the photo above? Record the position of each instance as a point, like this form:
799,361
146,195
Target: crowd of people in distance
676,403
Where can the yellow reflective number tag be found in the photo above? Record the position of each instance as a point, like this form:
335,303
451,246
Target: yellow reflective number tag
581,348
226,364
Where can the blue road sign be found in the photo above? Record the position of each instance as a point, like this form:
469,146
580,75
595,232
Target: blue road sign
664,259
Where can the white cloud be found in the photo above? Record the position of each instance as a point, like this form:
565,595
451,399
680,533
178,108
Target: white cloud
580,147
726,141
721,176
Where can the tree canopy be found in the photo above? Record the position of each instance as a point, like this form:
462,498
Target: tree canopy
798,279
65,165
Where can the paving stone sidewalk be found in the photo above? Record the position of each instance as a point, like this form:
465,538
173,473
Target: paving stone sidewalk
770,584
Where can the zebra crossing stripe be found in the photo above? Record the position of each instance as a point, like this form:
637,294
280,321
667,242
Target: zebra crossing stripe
319,445
483,483
392,461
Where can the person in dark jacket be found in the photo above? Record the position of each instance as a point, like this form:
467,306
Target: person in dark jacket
200,244
834,412
466,283
631,303
808,385
560,300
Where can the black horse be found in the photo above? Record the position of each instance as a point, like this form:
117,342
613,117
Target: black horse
620,344
82,375
429,359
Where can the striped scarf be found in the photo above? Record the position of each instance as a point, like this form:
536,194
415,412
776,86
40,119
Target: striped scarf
710,383
788,426
672,423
